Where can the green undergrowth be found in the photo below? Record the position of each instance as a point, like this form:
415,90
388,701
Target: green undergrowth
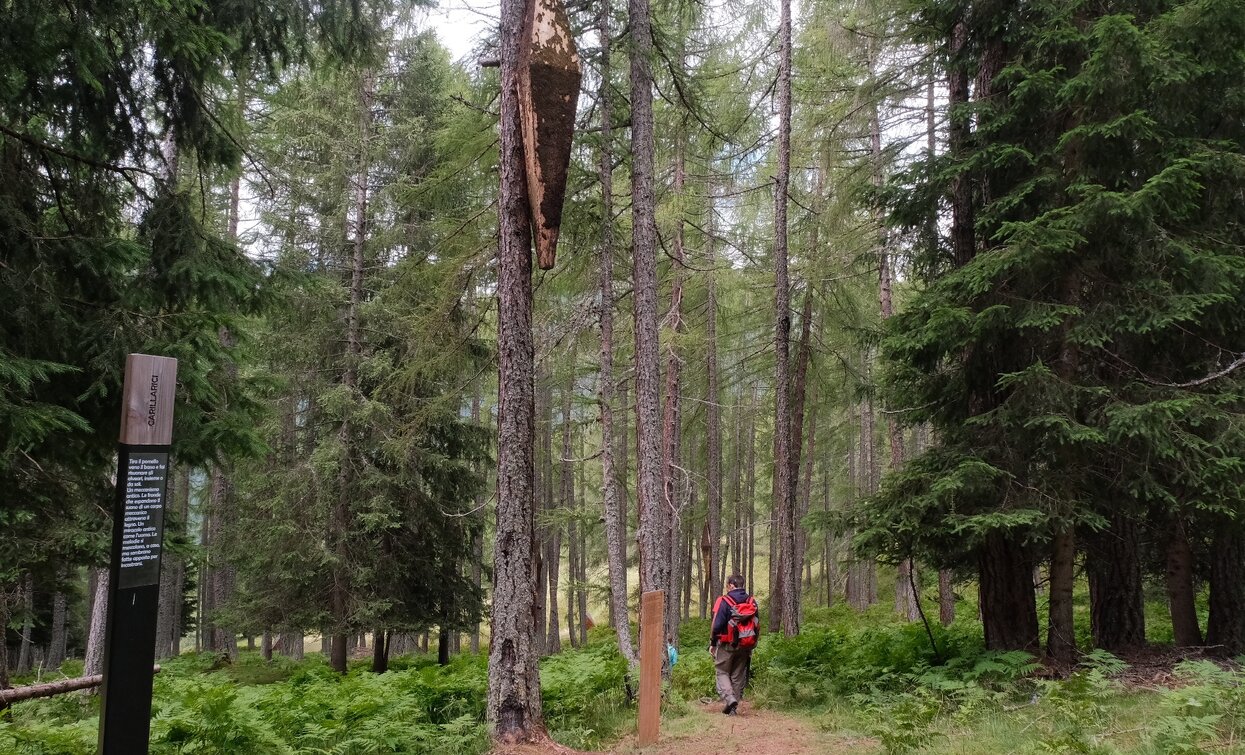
866,682
876,684
305,708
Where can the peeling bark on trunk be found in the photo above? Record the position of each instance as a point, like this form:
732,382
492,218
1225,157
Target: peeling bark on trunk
514,707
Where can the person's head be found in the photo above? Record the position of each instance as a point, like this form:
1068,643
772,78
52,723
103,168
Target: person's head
735,582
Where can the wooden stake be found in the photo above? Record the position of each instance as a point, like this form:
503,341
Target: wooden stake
652,650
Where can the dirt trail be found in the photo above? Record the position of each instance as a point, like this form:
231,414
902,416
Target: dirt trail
707,732
755,732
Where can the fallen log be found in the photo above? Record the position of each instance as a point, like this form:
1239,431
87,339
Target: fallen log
50,689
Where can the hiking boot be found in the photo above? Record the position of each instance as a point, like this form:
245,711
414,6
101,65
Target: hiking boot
729,710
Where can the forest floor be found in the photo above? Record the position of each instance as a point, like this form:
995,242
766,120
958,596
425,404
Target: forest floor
706,731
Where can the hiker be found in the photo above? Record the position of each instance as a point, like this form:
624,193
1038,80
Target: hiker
736,627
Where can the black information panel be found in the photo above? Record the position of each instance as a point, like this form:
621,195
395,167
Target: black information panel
146,476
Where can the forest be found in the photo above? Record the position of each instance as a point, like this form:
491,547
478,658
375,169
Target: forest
924,317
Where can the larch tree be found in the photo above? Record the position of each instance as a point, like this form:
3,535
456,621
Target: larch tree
514,705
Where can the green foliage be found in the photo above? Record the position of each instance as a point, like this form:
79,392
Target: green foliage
1079,703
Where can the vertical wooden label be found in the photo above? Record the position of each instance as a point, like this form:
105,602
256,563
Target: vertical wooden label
147,401
652,652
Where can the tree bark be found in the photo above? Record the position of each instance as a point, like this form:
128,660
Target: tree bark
477,538
95,634
514,705
1061,630
170,587
713,491
57,647
380,651
553,534
341,517
568,505
613,463
752,488
672,425
1116,602
1225,628
654,531
25,647
1180,592
1008,605
541,483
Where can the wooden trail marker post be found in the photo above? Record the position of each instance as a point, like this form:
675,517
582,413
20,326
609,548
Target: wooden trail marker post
137,540
652,652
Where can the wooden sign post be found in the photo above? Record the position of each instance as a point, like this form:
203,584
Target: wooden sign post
652,653
137,539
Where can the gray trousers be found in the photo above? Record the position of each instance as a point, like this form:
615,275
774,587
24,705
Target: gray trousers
731,671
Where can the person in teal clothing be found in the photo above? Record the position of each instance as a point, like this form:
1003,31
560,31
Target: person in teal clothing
672,653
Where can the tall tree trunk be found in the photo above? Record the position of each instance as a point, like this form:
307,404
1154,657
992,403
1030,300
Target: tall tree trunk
380,651
654,524
1225,627
752,488
514,709
8,599
671,425
613,463
95,633
1008,606
799,400
541,483
788,576
57,646
26,646
1180,592
581,576
1060,631
946,597
341,517
1116,602
713,491
553,539
806,493
568,504
169,579
477,537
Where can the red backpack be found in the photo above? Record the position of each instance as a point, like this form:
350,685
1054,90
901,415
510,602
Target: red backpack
742,627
